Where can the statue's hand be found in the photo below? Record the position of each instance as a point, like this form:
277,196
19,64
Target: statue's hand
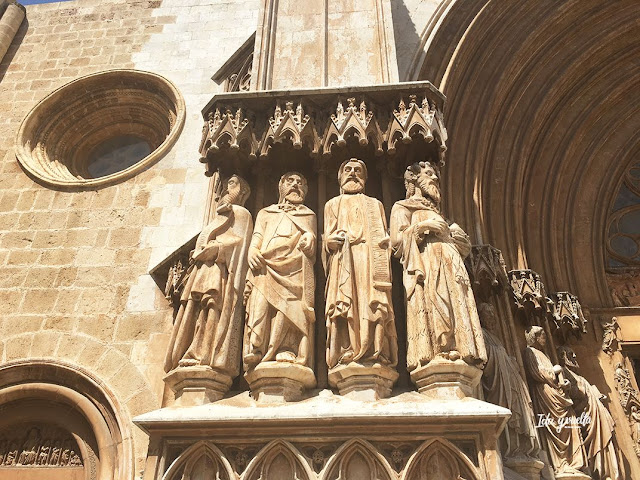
384,243
437,227
306,243
223,207
256,260
335,242
209,253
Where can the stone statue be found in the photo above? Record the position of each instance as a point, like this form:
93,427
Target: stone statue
554,408
610,336
503,385
442,319
281,281
29,454
207,328
359,312
598,432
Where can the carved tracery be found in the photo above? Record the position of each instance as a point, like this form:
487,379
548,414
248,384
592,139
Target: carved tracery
439,459
280,460
201,461
358,459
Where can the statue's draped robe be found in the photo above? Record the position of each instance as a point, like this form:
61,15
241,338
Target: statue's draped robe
503,385
441,309
358,280
287,283
208,325
564,445
598,434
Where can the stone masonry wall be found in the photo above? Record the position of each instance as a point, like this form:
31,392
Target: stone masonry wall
73,265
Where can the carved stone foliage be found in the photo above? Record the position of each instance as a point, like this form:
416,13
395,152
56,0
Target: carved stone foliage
568,319
630,402
322,120
528,290
35,446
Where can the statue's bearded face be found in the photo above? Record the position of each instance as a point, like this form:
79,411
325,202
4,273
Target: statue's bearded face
352,179
293,188
429,183
234,191
542,339
488,316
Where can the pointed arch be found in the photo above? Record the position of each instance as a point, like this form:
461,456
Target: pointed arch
355,459
439,459
279,459
201,456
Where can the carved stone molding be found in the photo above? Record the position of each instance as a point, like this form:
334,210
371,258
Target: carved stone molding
34,446
624,287
321,119
567,316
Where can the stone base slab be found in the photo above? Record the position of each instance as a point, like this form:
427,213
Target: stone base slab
197,385
362,382
446,379
572,476
277,382
527,467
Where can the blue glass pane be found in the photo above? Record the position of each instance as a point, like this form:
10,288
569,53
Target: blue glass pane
117,154
625,198
624,246
630,222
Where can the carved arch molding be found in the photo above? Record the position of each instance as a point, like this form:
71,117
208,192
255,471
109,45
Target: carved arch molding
543,120
60,423
434,459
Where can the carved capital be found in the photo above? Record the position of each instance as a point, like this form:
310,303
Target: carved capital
567,315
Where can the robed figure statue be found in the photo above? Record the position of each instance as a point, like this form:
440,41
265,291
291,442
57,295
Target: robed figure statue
442,319
208,326
359,312
281,283
553,407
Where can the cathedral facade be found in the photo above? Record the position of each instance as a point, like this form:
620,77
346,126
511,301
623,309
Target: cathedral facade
273,239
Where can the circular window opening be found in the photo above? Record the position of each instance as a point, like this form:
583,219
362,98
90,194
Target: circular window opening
101,128
117,154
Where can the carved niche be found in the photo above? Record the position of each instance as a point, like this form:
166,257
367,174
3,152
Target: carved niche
568,319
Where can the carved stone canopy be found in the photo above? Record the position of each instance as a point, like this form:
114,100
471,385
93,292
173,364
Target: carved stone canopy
487,269
567,315
528,290
241,128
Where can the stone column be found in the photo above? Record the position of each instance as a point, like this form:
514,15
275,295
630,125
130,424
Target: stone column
9,24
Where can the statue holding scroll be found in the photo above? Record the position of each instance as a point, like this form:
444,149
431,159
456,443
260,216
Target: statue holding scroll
281,282
359,312
207,328
442,320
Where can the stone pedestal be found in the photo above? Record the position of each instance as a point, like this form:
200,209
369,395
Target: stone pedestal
572,476
277,382
197,385
526,467
363,382
446,379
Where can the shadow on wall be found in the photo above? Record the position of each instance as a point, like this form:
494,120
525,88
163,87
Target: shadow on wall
406,37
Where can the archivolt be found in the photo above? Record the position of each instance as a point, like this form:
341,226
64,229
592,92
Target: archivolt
543,118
